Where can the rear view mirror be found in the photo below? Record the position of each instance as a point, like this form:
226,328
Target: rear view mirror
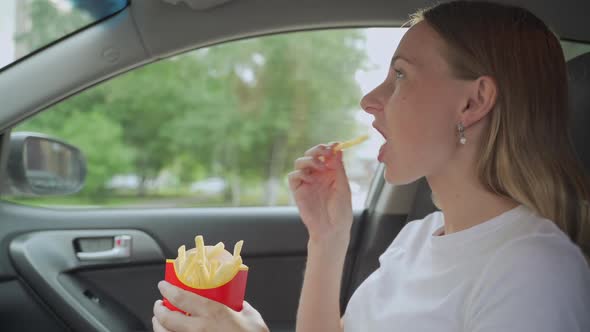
41,165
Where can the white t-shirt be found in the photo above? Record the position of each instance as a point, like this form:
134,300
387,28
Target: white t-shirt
514,272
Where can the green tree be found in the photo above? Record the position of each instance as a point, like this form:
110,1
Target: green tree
47,23
270,99
242,110
82,122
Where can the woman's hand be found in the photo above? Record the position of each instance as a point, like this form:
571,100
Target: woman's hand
206,315
322,194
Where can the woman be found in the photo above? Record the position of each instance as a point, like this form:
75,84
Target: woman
475,101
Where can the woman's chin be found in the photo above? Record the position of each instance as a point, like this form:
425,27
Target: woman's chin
396,177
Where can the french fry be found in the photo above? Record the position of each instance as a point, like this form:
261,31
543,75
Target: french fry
208,266
346,145
238,248
209,271
351,143
203,273
214,266
200,248
188,269
227,271
179,261
216,250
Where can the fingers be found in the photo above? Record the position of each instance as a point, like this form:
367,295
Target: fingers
317,159
303,171
157,327
189,302
320,150
309,162
297,178
169,320
338,165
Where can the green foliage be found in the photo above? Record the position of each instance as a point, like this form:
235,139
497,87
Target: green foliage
47,22
93,132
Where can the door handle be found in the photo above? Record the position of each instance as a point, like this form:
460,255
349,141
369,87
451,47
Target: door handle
121,250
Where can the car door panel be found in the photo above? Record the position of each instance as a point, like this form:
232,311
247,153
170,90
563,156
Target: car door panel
21,309
45,258
118,295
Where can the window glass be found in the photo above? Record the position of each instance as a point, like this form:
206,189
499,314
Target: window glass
573,49
222,126
27,25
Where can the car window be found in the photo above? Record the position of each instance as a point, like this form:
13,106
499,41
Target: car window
572,49
221,126
27,25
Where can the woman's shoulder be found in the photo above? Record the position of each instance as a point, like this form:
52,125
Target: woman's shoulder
425,226
418,231
541,257
545,246
538,282
542,238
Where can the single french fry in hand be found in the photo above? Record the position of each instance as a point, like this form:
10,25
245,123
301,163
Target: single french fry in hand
351,143
346,145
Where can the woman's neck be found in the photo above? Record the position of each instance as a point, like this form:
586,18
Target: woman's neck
464,201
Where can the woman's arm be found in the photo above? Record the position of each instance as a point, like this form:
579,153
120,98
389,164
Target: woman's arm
320,187
319,306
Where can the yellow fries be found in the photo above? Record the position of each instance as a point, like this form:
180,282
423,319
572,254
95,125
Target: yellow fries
347,144
181,258
216,250
208,266
238,248
351,143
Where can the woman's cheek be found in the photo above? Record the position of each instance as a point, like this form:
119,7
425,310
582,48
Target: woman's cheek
398,116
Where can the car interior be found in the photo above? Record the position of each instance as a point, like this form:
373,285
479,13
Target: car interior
46,285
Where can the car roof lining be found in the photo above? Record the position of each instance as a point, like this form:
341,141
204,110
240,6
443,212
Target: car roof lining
164,27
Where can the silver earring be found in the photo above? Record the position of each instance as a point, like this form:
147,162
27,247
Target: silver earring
461,129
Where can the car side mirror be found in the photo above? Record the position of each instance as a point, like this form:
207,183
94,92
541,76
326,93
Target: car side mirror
40,165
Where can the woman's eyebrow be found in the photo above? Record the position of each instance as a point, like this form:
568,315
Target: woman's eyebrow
397,56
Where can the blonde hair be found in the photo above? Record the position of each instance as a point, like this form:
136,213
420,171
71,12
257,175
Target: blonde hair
526,153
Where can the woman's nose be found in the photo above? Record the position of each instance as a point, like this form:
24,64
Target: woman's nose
371,103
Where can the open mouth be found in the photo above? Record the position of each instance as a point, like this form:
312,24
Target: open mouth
380,131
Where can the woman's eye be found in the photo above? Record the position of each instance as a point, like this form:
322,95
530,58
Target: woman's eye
399,74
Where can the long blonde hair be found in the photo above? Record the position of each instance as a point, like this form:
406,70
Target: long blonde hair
526,153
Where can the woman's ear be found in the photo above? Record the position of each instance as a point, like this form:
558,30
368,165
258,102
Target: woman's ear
481,100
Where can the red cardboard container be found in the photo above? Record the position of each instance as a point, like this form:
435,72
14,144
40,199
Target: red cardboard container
231,294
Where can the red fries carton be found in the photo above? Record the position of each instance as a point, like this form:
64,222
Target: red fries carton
209,271
231,294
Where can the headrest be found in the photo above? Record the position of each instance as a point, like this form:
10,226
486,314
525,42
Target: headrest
579,93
